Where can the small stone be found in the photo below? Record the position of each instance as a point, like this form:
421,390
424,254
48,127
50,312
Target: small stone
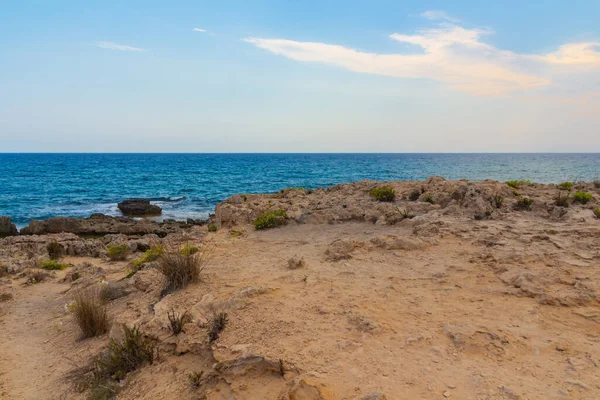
296,262
446,394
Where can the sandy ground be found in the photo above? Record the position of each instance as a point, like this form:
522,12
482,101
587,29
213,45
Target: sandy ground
504,308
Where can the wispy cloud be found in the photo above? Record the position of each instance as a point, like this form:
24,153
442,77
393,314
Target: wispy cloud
449,53
199,30
436,15
116,46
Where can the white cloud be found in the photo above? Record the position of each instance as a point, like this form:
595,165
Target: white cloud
448,53
436,15
199,30
116,46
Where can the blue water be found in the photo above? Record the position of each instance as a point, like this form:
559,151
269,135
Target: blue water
189,185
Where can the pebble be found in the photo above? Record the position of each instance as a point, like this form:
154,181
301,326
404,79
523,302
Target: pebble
446,394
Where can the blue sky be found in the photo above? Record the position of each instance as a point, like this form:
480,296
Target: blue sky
299,76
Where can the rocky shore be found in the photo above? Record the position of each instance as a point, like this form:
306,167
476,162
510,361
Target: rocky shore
367,290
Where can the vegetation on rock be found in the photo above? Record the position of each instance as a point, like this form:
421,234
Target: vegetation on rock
383,193
270,219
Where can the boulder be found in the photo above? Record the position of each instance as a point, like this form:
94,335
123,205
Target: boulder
139,208
7,228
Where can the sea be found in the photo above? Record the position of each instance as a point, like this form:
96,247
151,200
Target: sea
41,186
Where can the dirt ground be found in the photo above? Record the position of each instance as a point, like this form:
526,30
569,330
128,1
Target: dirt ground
500,308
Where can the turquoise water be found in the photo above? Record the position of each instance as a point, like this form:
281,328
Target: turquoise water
189,185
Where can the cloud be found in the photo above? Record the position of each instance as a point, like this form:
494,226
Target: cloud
448,53
116,46
436,15
199,30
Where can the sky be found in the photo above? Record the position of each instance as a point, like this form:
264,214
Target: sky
299,76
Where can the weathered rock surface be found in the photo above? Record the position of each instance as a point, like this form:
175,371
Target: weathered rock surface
436,197
99,224
139,208
7,228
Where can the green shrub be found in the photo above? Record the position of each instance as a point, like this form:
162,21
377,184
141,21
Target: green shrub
497,200
53,265
517,184
560,200
212,228
118,252
55,250
513,184
383,193
189,249
567,186
179,269
152,254
597,212
125,356
270,219
582,197
427,198
524,203
90,312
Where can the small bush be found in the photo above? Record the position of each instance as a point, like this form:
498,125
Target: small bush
177,321
3,271
270,219
406,213
597,212
125,356
152,254
118,252
582,197
53,265
518,184
427,198
383,193
189,249
212,228
497,201
36,275
195,379
55,250
217,325
179,269
560,200
567,186
524,203
513,184
90,312
414,195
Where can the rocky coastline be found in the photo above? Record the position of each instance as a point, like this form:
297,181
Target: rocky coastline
366,290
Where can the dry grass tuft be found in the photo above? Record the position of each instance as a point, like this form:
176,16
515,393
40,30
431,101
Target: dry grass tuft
90,312
217,325
177,321
180,269
124,356
36,275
